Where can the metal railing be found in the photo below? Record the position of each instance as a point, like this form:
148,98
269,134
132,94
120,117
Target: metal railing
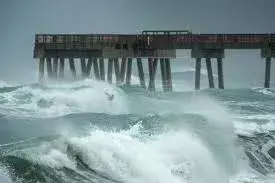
166,32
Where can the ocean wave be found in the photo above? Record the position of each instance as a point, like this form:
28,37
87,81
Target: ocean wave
70,132
4,176
3,84
250,127
59,99
122,156
265,91
186,147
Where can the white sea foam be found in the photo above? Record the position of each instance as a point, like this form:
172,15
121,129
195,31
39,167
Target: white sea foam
4,177
264,91
170,157
52,155
269,117
4,84
60,99
173,156
252,177
176,155
180,155
250,127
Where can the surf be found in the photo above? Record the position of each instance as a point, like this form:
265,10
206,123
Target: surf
73,130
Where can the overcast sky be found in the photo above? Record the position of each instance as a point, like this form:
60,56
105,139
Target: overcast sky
20,20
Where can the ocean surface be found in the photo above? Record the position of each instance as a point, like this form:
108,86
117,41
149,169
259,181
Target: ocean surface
70,132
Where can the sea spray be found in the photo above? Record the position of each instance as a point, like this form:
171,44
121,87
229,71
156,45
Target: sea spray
56,100
190,137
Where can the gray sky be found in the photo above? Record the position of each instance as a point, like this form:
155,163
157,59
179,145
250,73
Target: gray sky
20,20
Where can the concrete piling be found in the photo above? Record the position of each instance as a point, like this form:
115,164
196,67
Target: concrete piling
96,68
49,67
110,70
168,74
72,67
83,67
116,68
55,67
150,69
155,65
152,64
267,72
141,73
129,71
41,68
210,73
61,68
198,73
123,70
89,67
151,84
102,69
163,74
220,73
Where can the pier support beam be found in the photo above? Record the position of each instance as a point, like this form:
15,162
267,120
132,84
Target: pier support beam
72,67
198,73
55,67
110,70
122,70
210,73
49,67
41,69
102,69
129,71
220,73
208,53
163,74
83,67
267,72
89,67
168,74
61,68
141,73
152,64
96,69
116,67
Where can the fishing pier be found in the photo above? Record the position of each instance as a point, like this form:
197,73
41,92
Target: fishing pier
153,46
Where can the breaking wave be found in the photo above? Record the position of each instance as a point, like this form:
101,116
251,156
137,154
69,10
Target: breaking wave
70,132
